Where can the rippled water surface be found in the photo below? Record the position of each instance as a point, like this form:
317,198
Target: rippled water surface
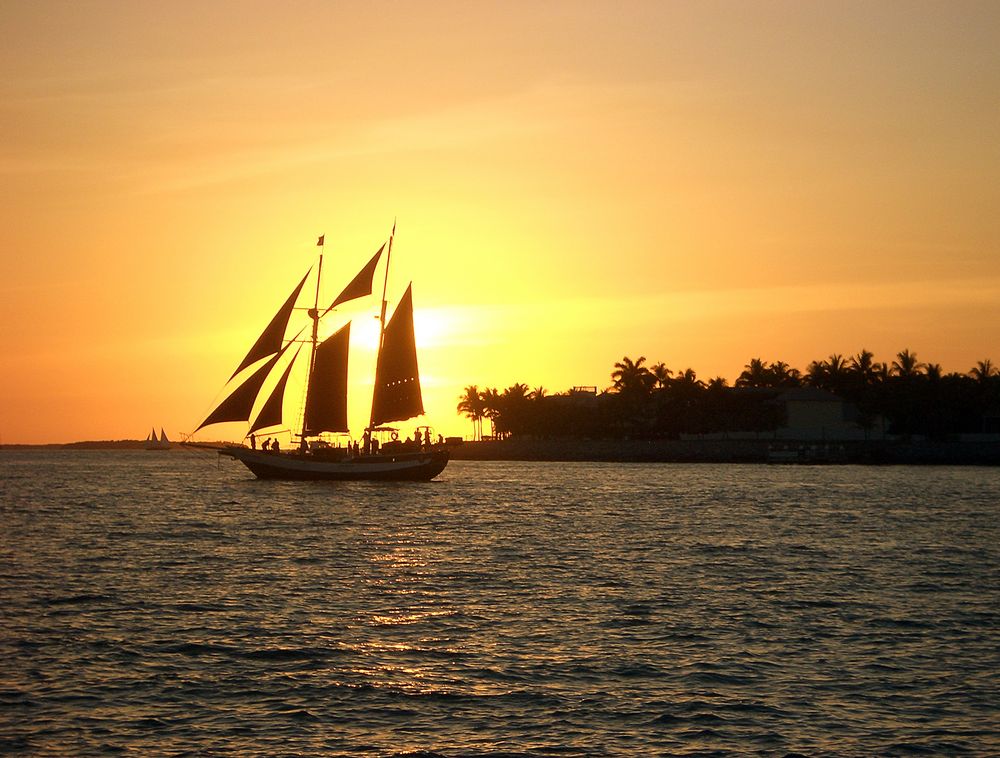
164,603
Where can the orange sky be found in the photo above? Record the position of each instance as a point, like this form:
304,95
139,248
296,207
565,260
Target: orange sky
700,183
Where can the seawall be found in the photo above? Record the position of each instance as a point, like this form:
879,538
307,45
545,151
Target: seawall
985,453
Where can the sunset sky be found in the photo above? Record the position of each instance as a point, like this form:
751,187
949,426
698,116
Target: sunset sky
700,183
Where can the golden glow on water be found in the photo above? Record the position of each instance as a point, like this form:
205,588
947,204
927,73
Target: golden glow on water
669,609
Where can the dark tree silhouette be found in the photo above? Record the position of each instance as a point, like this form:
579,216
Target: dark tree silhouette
662,375
471,406
905,398
754,374
906,365
632,377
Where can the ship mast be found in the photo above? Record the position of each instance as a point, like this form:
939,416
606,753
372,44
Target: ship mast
381,317
314,315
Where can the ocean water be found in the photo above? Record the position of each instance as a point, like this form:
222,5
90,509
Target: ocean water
169,604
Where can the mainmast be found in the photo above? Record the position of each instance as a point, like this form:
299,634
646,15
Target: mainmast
381,317
314,315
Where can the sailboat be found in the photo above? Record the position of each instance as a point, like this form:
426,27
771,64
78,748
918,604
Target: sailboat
157,443
396,395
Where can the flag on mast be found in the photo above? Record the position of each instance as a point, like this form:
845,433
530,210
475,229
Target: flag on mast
319,242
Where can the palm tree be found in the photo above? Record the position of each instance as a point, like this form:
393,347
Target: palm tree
755,374
864,367
662,374
538,393
688,378
632,377
471,406
518,390
817,374
838,372
906,365
983,371
837,364
492,408
514,409
783,375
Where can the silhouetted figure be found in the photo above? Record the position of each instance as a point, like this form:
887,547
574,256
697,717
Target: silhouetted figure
440,439
275,447
253,441
366,440
267,444
357,449
375,447
427,437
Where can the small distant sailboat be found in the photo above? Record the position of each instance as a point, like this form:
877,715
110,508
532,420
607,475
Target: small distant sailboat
157,443
396,395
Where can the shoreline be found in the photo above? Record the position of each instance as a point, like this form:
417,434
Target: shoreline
955,453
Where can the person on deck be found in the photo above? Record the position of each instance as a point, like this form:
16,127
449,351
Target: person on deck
253,441
275,447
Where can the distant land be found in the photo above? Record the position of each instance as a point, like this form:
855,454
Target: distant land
105,445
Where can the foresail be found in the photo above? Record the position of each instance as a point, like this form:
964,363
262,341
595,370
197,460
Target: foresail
397,380
361,285
163,435
326,399
270,414
239,404
269,342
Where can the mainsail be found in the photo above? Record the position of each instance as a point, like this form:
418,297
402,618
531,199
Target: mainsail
270,341
326,397
397,381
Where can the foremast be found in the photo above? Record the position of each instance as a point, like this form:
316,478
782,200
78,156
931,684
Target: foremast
314,314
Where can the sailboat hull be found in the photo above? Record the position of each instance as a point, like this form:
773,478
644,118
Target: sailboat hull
411,467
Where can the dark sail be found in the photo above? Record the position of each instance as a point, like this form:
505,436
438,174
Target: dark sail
239,404
326,400
270,341
361,285
270,414
397,382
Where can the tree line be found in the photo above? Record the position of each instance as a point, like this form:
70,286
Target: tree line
904,396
